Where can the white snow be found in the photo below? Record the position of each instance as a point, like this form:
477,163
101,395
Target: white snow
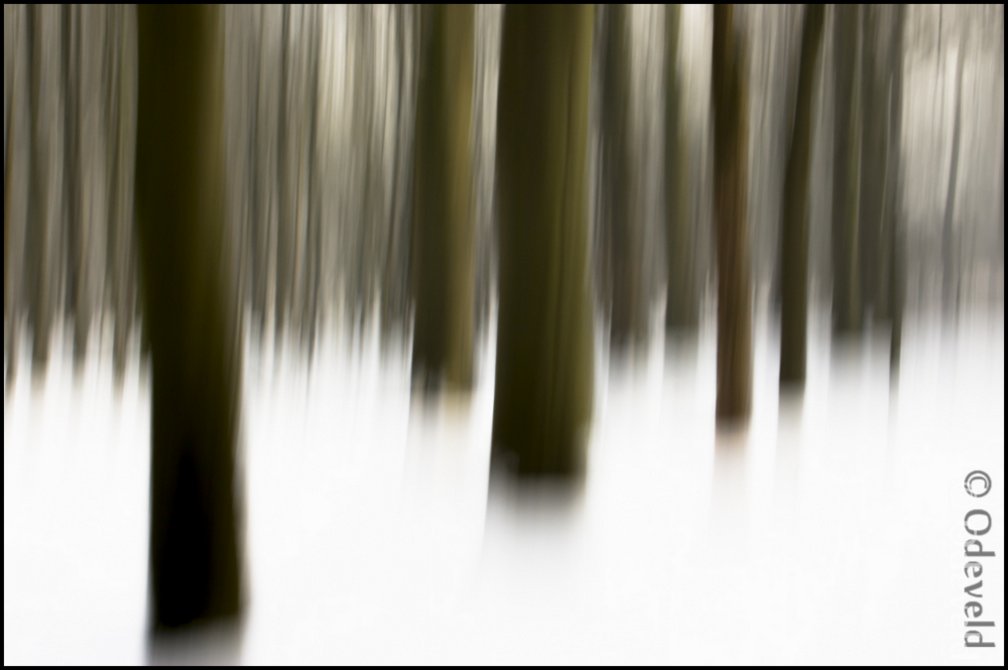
830,532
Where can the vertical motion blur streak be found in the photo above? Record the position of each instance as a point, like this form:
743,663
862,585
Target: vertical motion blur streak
358,262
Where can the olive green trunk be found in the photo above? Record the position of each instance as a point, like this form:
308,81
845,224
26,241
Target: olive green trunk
794,227
545,342
734,294
444,242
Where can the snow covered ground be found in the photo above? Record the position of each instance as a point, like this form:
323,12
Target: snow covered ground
831,531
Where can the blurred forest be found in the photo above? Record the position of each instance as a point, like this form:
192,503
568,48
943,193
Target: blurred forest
605,174
321,113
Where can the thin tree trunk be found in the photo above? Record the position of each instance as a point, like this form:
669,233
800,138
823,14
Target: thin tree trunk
444,237
846,290
284,223
545,342
623,290
794,227
393,302
894,189
76,258
682,308
13,224
949,251
734,331
362,123
881,289
39,268
258,194
872,164
190,316
119,248
314,186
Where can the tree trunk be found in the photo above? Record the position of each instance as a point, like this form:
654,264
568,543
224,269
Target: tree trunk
314,245
846,290
14,223
682,309
259,193
284,223
444,230
40,265
396,283
623,295
734,331
794,227
365,174
120,249
74,221
545,351
872,165
894,189
949,252
190,315
393,305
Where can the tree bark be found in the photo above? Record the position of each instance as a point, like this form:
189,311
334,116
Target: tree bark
545,342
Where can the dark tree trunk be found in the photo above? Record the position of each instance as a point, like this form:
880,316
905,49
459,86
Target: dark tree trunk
188,300
734,330
444,231
39,268
846,165
545,351
76,246
794,227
